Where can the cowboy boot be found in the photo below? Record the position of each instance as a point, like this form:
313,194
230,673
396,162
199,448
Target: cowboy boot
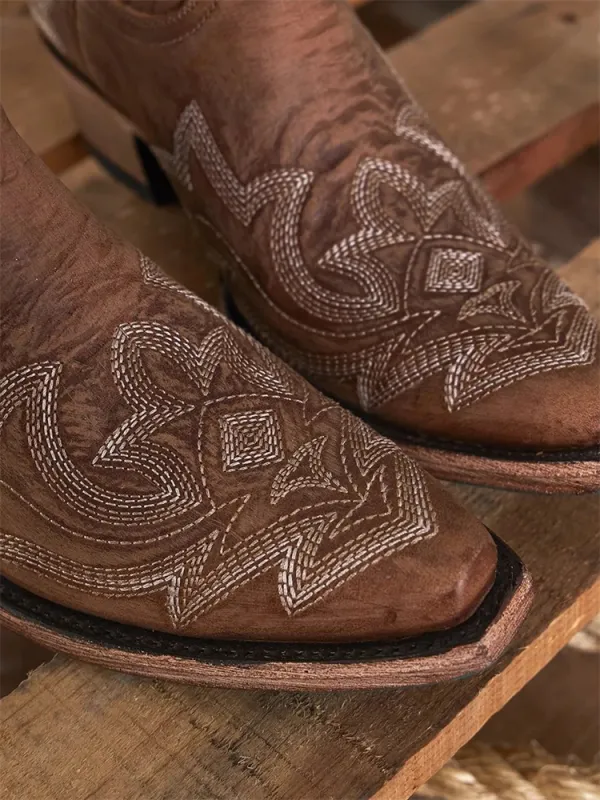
177,502
353,242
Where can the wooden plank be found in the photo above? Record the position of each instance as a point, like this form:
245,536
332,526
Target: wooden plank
32,94
82,731
561,214
565,722
583,276
513,87
416,15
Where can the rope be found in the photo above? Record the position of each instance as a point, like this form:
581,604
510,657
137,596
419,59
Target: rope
482,772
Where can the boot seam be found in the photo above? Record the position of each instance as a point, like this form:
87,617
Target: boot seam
156,25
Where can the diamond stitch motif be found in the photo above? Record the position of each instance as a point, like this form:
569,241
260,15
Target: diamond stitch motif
250,439
454,271
191,578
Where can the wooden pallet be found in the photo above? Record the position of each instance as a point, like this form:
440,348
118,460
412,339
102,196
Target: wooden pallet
514,89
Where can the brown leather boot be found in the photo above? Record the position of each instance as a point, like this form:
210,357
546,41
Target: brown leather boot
177,502
355,244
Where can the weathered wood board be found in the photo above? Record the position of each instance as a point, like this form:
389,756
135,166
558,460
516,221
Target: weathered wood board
513,86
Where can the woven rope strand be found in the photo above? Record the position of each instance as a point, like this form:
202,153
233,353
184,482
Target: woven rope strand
482,772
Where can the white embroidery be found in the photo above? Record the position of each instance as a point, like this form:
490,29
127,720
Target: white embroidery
556,294
454,271
250,439
305,577
196,500
314,475
36,388
376,295
497,299
459,230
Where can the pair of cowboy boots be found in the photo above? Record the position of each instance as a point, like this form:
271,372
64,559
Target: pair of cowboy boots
177,501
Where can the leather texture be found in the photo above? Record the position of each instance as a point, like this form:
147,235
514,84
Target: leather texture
161,468
359,249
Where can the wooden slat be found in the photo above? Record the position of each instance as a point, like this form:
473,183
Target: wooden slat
94,733
512,86
566,722
583,276
32,94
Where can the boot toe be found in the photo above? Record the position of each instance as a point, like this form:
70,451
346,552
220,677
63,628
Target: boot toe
433,585
549,412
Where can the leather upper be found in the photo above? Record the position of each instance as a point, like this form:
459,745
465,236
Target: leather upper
359,248
161,468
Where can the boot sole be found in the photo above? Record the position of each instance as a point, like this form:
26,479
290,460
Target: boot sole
115,143
458,652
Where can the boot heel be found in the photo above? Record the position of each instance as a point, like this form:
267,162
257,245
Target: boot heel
113,140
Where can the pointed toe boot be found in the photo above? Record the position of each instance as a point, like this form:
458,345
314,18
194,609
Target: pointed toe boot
176,502
352,240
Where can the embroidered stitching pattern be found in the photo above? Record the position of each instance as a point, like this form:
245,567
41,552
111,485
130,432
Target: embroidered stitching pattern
454,271
288,479
250,439
476,360
328,537
497,299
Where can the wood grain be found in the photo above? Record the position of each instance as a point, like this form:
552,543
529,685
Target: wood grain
89,732
565,722
512,86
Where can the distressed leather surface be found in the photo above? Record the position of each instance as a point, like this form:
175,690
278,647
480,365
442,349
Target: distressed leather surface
360,250
159,467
